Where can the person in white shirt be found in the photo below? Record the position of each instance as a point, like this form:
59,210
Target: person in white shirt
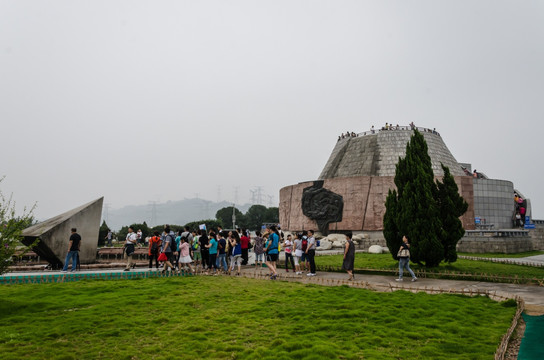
288,248
130,243
310,251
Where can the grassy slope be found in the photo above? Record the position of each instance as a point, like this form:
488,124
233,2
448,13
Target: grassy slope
230,318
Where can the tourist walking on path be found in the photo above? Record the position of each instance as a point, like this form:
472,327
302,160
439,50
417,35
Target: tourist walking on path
244,242
130,242
310,251
184,254
169,249
212,249
109,238
222,253
260,256
154,249
272,251
73,251
178,243
195,248
404,259
305,264
298,252
236,254
349,255
204,250
188,235
288,248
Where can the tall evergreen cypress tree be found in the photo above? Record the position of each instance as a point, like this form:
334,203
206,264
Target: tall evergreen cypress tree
415,212
452,206
390,230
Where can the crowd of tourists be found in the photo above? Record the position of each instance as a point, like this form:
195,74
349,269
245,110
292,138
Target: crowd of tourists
208,251
387,127
219,251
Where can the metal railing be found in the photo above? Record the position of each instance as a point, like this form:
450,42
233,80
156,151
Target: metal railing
498,233
391,128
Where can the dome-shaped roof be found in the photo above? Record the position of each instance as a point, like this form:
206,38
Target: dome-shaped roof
376,153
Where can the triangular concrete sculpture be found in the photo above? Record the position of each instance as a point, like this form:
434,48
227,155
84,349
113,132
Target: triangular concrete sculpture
54,234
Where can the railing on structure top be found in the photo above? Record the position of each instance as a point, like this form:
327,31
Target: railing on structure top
391,128
538,222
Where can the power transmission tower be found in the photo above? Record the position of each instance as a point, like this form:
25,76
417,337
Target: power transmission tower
205,209
257,195
153,208
236,194
218,193
107,212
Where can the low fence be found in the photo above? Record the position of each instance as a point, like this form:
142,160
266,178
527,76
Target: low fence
76,276
503,261
449,275
498,233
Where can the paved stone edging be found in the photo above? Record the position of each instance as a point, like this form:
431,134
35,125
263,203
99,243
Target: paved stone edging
527,261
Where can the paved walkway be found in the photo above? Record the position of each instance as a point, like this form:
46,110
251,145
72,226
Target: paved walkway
532,295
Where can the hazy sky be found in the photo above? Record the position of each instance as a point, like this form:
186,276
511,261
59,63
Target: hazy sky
144,101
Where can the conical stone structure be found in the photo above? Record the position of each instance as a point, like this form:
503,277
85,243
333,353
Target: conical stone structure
376,154
357,177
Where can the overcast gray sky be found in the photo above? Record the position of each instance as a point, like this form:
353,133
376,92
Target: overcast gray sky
144,101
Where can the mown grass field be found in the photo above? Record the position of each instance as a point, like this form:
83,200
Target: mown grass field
386,262
236,318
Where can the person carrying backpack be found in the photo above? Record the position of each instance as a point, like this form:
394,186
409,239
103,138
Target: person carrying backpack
169,249
195,249
154,250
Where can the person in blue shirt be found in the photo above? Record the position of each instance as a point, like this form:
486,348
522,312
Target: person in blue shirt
221,254
236,251
212,248
272,251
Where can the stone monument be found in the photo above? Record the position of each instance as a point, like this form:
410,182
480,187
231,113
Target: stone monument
54,234
353,185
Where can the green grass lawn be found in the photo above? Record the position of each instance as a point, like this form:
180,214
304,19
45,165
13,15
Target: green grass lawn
237,318
386,262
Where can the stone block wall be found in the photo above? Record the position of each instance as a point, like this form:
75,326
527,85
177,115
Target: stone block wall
537,238
364,203
484,244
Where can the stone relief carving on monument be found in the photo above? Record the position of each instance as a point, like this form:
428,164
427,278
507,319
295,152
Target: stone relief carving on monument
322,205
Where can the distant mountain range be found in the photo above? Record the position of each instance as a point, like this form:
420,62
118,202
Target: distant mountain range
172,212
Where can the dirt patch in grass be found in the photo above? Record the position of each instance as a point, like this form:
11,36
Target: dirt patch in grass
515,341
